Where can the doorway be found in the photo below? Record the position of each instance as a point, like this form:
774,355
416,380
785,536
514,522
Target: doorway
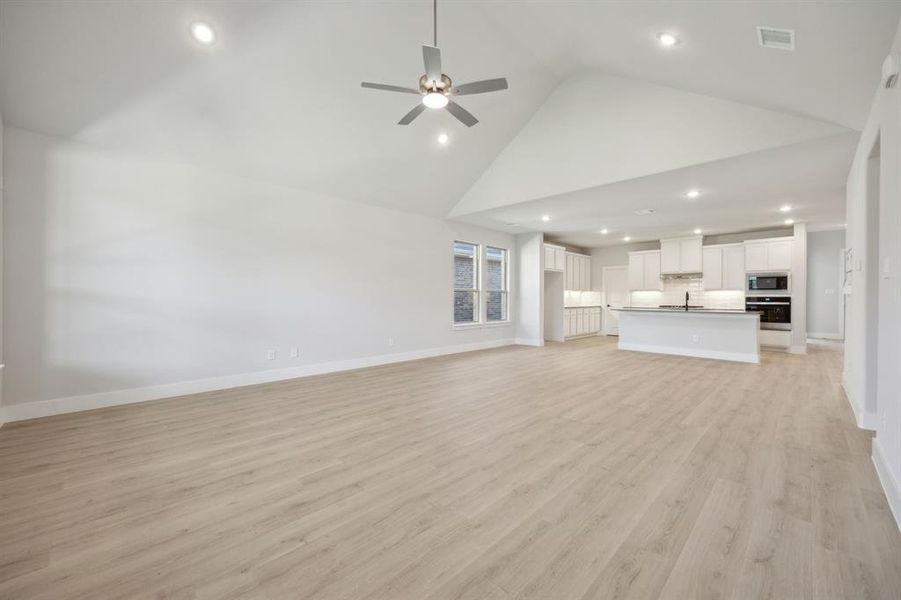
616,295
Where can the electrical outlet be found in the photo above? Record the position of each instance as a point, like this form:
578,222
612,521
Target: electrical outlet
271,354
295,352
696,338
390,341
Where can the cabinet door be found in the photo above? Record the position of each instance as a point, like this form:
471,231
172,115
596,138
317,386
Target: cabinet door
636,272
548,258
586,273
690,255
756,257
595,320
652,271
577,265
779,256
560,259
713,269
734,268
569,272
669,256
567,327
579,325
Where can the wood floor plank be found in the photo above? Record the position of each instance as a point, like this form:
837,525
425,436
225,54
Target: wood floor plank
564,472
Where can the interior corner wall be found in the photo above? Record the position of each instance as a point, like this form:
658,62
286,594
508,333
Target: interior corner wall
530,289
130,279
875,270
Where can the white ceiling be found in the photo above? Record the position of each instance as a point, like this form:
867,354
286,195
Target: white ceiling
278,96
739,194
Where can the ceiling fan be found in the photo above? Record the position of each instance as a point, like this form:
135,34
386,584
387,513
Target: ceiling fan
437,89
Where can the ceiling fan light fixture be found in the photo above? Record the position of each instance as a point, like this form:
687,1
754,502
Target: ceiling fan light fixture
435,100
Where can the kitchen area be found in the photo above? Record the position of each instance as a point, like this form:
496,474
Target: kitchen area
689,296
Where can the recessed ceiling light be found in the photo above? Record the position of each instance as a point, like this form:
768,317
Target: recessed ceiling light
627,239
666,39
645,211
785,208
435,100
545,218
203,33
692,193
604,231
442,139
698,231
789,221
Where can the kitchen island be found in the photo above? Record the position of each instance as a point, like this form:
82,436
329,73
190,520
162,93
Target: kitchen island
721,334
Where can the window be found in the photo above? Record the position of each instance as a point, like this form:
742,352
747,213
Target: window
466,283
496,284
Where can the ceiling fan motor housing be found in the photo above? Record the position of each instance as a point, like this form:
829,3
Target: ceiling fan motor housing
442,87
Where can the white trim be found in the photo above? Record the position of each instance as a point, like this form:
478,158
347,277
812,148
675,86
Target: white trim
717,355
58,406
816,335
865,420
528,342
889,484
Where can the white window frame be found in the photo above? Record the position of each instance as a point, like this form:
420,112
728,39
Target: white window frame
477,262
505,290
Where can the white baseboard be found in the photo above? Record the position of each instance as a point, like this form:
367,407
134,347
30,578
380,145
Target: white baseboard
889,484
528,342
717,355
864,419
58,406
815,335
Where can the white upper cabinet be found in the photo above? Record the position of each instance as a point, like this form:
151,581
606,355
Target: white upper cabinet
680,255
578,272
644,271
768,255
554,258
713,268
734,267
779,256
724,267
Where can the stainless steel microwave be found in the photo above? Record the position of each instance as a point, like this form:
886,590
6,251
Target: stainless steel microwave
769,283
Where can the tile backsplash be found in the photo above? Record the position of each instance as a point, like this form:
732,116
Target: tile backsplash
674,293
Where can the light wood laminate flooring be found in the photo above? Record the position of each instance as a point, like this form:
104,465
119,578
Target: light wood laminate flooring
573,471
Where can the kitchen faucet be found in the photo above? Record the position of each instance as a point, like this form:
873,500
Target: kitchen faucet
686,301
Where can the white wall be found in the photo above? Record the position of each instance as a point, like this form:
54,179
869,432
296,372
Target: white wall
824,283
124,273
872,381
530,291
799,289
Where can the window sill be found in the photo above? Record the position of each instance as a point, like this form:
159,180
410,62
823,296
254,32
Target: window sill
463,326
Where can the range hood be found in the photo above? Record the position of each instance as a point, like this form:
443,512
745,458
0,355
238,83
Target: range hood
681,276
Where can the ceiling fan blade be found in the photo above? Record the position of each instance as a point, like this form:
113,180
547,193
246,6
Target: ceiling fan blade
389,88
480,87
463,115
431,56
408,118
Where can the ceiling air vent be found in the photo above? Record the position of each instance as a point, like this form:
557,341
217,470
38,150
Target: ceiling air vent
772,37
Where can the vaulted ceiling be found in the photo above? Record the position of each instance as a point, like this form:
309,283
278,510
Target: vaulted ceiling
278,97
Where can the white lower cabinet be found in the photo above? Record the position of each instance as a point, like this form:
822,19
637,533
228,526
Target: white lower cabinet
581,321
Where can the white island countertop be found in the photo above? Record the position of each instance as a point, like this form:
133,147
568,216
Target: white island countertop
722,334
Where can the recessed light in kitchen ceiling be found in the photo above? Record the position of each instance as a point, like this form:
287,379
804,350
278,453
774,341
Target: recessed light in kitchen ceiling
604,231
789,221
545,218
645,211
785,208
627,239
203,33
667,39
692,193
